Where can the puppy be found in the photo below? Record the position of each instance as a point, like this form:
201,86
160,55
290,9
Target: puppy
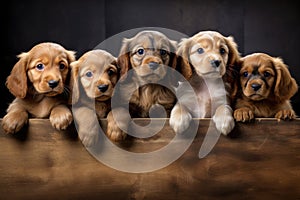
38,81
207,60
266,86
144,61
93,78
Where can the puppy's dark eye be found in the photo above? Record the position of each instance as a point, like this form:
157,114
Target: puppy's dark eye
267,74
163,52
140,51
200,50
110,72
40,67
89,74
222,51
245,74
62,66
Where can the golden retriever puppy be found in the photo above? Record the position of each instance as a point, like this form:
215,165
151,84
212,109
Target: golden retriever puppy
39,83
144,61
207,60
93,78
266,87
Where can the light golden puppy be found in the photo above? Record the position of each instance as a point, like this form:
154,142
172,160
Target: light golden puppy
94,76
266,87
143,60
207,60
39,83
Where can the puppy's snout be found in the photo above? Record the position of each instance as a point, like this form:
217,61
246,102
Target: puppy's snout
255,86
53,83
102,88
215,63
153,65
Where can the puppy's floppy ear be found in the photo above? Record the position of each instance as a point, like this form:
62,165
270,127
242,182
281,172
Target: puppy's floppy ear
234,55
71,56
173,56
285,86
183,64
233,66
17,80
123,60
74,82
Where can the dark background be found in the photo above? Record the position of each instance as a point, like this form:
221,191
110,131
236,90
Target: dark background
272,27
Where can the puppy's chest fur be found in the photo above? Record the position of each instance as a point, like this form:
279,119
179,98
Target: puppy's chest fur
39,106
210,95
148,95
101,107
263,108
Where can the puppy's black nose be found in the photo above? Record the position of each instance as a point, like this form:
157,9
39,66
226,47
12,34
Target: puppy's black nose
102,88
153,65
215,63
256,86
53,83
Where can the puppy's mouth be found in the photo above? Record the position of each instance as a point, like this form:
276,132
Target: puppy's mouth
102,97
256,97
211,74
152,78
52,93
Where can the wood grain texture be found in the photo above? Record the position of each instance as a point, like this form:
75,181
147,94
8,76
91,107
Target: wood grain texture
261,160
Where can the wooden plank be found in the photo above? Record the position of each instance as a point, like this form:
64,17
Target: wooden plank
260,161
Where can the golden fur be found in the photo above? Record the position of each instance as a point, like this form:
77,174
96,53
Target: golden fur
206,60
146,54
38,81
93,79
266,87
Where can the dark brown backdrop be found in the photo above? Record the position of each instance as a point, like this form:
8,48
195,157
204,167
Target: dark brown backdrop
258,26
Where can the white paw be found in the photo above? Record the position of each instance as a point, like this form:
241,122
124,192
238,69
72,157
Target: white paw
224,120
180,119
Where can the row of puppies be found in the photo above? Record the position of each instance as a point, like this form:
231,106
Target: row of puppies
257,85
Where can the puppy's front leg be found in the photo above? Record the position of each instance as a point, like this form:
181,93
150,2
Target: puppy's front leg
15,118
180,118
61,117
223,119
87,124
116,118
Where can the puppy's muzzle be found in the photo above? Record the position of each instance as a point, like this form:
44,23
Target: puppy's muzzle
53,83
102,88
215,63
153,65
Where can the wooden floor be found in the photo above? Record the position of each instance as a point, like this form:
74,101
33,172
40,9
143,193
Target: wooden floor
261,160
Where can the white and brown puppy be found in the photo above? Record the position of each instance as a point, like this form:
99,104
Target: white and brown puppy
147,56
93,78
39,83
207,60
266,87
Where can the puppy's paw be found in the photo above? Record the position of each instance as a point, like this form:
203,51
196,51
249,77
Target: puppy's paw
88,137
285,114
224,120
61,118
14,121
243,115
114,133
180,119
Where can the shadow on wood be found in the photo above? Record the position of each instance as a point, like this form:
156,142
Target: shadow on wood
260,161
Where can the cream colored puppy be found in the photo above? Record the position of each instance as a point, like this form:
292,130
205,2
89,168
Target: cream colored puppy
207,61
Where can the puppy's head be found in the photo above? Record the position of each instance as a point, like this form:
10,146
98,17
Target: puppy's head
95,74
208,54
146,53
45,67
264,77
